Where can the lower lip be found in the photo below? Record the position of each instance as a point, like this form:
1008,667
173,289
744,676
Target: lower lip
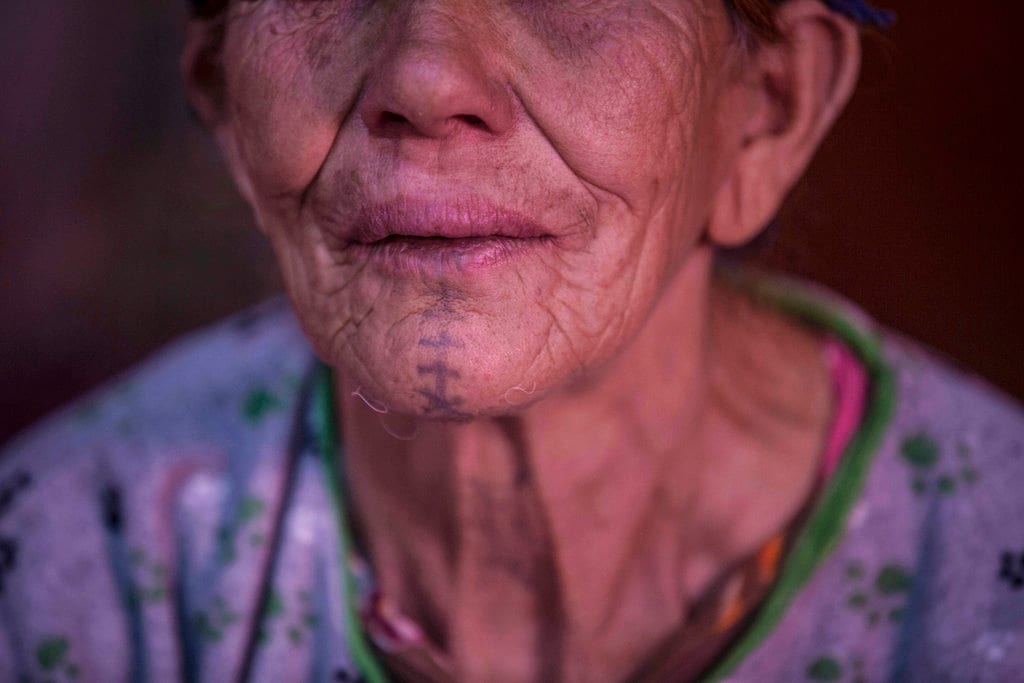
446,256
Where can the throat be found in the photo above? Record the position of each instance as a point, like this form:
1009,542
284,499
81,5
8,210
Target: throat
508,593
536,570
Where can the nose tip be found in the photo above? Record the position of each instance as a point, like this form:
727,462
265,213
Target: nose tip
435,89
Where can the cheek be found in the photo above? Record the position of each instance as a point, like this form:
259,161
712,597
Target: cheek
621,91
286,98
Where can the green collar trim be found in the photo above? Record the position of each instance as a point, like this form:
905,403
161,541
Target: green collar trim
827,523
324,416
819,537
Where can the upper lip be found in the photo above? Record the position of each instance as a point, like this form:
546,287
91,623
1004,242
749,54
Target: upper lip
452,219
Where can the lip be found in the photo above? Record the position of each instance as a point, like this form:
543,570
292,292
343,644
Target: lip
440,237
465,218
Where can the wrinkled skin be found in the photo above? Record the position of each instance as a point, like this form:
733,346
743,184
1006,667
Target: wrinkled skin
599,120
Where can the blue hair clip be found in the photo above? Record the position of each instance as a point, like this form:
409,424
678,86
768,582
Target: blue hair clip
861,11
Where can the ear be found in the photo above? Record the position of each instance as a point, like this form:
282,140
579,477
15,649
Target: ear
202,71
798,87
201,68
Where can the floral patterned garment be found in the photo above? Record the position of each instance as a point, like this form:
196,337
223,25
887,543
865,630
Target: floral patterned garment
182,524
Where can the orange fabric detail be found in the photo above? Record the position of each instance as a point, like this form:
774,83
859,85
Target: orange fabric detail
736,601
732,610
768,559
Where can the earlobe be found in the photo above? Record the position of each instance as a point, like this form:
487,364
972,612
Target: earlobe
746,202
801,85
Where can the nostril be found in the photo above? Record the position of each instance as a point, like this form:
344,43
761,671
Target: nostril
389,119
472,120
391,124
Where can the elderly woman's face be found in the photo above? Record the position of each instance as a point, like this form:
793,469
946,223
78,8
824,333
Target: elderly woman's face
467,197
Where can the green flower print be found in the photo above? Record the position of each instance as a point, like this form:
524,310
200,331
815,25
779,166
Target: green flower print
922,454
884,597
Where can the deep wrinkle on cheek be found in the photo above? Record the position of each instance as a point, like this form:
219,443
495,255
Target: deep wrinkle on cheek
635,73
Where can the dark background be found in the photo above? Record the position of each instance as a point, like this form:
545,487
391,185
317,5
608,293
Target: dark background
119,229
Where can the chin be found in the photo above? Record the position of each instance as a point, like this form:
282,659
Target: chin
447,350
439,391
439,377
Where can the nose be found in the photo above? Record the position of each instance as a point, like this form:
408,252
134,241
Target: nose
433,80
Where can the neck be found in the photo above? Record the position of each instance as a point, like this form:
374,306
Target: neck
566,540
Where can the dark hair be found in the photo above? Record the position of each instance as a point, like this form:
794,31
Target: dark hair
207,8
756,18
